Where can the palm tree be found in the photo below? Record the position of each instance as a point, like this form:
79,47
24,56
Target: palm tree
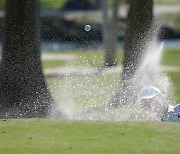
110,32
23,91
138,34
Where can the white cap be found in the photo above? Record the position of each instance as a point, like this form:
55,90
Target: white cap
149,92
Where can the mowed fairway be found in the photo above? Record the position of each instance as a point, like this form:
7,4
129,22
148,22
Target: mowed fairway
59,136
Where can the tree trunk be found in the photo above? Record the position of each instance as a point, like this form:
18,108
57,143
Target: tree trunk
138,34
97,4
23,91
110,32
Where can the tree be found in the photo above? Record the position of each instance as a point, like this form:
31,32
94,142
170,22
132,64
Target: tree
138,34
110,32
97,4
23,91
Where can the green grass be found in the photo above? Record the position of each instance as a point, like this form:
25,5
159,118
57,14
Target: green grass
2,4
170,20
175,78
167,2
176,95
86,87
84,91
93,58
45,4
171,57
57,136
55,63
52,4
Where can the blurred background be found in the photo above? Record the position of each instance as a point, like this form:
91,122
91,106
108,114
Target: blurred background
68,50
63,21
